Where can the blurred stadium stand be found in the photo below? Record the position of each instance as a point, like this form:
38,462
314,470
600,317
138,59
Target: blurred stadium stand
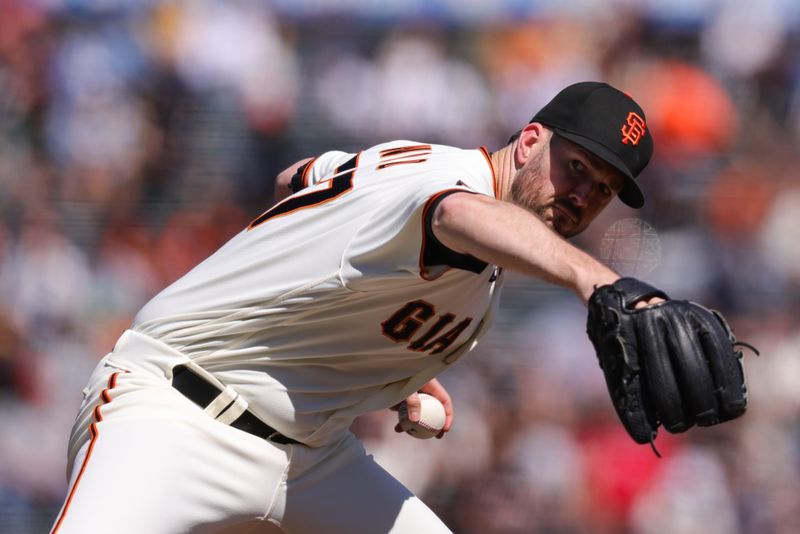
137,136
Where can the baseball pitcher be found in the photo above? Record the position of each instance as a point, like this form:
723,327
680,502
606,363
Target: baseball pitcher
225,406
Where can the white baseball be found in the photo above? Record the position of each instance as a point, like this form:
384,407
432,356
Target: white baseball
431,421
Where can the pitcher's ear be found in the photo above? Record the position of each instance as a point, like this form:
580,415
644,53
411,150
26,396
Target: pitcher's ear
529,136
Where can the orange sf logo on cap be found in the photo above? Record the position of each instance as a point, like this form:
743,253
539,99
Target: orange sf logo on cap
633,129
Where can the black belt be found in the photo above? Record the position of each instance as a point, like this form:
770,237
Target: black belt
201,392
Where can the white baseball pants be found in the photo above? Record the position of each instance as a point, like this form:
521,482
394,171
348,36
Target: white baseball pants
146,460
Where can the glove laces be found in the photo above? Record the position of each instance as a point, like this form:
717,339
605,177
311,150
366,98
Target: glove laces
748,345
653,444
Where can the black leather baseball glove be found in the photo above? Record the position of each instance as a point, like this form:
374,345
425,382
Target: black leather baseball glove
675,364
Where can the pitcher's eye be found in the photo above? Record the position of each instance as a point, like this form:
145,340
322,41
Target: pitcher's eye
577,165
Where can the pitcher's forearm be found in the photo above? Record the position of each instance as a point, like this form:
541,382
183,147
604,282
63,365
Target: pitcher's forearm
506,235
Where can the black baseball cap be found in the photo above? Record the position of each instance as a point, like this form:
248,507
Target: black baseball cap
609,124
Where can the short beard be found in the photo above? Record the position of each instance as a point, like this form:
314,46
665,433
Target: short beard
526,189
527,192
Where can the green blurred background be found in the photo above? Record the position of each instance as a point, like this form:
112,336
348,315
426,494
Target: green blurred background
136,136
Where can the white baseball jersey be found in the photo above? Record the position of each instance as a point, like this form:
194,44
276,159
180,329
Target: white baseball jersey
338,300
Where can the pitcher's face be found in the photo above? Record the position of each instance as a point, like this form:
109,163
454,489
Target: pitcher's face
565,185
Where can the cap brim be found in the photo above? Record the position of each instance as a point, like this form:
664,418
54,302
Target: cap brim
630,194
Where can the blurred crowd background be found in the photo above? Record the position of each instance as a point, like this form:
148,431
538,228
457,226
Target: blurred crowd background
136,136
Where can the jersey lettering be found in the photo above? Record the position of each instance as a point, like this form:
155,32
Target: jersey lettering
300,179
443,321
404,155
341,183
441,343
404,324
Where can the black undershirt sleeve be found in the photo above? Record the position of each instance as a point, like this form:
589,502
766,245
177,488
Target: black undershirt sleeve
436,253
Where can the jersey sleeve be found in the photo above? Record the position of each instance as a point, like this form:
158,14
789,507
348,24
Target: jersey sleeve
397,246
434,254
318,169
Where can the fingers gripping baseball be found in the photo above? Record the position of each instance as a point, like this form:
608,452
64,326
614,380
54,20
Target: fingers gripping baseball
412,407
436,389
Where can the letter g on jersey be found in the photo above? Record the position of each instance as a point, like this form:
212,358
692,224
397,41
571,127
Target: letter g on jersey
406,322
